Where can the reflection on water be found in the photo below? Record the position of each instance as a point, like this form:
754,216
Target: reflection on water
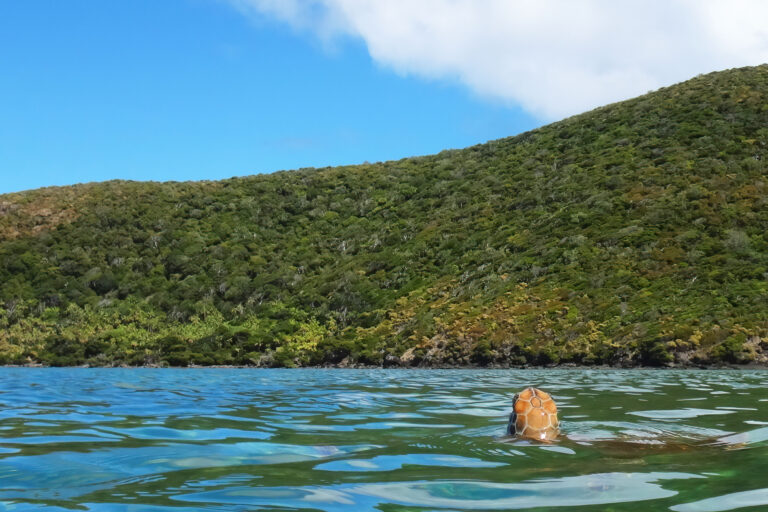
594,489
726,502
331,440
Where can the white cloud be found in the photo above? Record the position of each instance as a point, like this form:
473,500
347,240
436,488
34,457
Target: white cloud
552,57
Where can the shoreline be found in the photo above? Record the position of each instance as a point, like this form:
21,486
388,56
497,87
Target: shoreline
749,366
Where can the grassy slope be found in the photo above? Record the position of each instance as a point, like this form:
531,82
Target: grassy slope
632,234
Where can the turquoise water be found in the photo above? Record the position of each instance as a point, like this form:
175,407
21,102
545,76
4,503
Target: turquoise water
367,440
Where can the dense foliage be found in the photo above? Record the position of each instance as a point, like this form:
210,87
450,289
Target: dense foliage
632,234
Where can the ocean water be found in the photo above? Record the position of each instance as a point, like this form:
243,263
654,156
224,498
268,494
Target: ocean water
379,440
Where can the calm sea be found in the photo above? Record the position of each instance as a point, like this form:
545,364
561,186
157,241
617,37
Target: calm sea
378,440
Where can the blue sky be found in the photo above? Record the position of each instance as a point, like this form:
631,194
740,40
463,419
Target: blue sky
92,90
193,89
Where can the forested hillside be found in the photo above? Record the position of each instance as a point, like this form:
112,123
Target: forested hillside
632,234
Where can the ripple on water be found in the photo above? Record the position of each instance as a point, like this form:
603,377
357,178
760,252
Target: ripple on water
730,501
74,473
237,440
391,462
750,437
584,490
679,413
164,433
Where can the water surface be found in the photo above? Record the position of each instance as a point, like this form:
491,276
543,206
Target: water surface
378,440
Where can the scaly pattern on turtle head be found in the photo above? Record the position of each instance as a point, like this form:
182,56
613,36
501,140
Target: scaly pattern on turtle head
534,415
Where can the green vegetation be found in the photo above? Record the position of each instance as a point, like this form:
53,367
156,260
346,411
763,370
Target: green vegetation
632,234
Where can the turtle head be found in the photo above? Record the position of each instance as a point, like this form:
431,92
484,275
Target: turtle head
534,415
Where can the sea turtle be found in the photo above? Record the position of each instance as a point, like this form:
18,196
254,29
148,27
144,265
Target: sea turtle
534,415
